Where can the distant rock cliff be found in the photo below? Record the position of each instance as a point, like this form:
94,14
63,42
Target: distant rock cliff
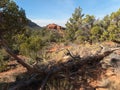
33,25
55,27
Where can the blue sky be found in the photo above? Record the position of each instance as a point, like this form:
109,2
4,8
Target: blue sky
44,12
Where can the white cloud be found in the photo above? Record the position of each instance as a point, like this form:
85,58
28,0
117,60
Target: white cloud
44,22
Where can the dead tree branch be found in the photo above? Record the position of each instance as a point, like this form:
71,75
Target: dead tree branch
61,67
19,60
80,62
72,56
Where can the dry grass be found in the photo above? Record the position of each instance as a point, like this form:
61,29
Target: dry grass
81,50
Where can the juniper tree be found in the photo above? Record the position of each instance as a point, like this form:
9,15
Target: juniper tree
12,21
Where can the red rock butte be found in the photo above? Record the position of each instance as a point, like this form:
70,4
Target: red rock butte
54,26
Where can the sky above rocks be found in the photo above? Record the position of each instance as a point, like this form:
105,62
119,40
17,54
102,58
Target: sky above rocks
44,12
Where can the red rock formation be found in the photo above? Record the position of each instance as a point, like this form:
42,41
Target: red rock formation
54,26
59,27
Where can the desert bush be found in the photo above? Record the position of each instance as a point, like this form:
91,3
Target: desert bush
2,63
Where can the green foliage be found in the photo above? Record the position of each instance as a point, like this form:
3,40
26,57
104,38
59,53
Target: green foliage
96,33
88,19
88,22
2,62
28,45
3,3
106,21
104,36
13,18
74,24
32,42
81,36
89,29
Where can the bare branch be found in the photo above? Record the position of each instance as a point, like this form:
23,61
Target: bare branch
73,57
19,60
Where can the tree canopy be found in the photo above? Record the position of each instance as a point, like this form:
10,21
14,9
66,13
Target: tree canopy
74,23
83,28
12,18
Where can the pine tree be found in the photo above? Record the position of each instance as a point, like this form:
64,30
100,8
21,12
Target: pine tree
74,24
13,18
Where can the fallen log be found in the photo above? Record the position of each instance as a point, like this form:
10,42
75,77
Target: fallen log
79,62
61,67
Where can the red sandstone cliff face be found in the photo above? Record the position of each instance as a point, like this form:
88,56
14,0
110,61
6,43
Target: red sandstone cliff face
54,26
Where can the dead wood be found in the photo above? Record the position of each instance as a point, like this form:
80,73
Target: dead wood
74,57
19,60
73,66
24,84
71,63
